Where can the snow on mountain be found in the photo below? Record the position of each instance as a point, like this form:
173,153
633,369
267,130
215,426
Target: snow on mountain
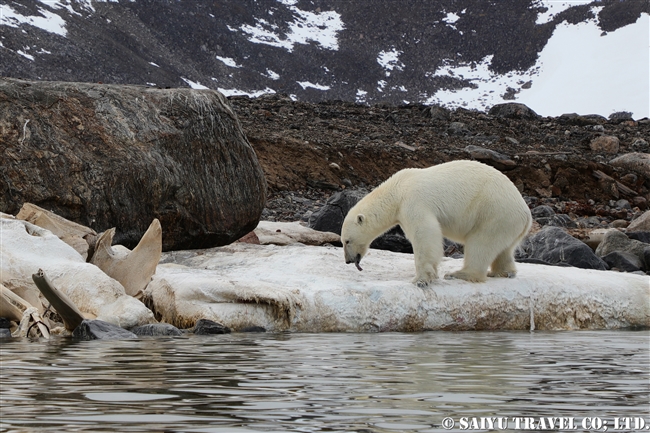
555,56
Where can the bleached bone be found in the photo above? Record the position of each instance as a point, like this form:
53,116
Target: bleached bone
68,311
133,269
79,237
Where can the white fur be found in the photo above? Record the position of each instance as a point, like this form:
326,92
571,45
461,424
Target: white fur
465,201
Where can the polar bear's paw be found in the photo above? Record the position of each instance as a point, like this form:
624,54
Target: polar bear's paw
502,274
422,283
467,276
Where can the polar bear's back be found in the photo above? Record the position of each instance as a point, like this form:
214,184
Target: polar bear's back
478,192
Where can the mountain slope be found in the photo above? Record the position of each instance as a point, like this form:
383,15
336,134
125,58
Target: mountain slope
368,52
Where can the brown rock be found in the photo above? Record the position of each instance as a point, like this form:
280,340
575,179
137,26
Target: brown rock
249,238
605,144
178,155
491,157
640,202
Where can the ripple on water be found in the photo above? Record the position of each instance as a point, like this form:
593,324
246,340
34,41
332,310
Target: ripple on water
320,382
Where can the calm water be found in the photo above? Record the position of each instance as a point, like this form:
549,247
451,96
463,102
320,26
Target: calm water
322,382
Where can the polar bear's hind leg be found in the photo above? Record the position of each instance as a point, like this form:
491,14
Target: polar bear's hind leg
475,265
504,265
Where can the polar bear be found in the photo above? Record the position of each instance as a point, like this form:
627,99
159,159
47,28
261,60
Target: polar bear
465,201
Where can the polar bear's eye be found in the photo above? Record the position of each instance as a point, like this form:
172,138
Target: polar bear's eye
347,242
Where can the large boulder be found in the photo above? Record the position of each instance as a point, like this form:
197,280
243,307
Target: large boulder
119,156
513,110
555,246
637,162
616,241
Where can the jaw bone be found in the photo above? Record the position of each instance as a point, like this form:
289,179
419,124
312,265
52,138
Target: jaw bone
133,269
79,237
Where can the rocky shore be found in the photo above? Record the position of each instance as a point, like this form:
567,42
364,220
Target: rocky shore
581,173
586,179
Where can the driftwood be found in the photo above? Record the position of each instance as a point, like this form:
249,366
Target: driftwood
70,314
17,309
619,186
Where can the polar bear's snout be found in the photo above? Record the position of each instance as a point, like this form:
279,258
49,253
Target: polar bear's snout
349,257
356,261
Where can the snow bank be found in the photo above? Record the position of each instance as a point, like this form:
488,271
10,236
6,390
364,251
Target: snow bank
311,289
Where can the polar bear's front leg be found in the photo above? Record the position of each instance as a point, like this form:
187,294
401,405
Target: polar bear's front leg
426,239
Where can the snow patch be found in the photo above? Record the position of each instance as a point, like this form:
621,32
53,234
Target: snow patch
321,28
577,71
361,96
228,61
272,75
389,60
24,54
194,85
306,85
251,94
49,21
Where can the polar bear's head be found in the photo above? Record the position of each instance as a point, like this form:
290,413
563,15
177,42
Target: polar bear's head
355,237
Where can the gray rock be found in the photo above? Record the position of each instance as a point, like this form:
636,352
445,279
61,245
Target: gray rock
437,112
641,224
637,162
458,128
646,259
624,262
5,334
639,236
100,330
555,246
620,116
623,204
209,327
157,330
330,218
617,241
5,323
561,220
129,154
513,110
542,211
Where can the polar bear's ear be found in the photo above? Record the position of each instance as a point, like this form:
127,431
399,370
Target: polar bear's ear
360,219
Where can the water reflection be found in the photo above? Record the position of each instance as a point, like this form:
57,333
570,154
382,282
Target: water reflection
320,382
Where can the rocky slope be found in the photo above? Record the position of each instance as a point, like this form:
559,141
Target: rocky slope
310,150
